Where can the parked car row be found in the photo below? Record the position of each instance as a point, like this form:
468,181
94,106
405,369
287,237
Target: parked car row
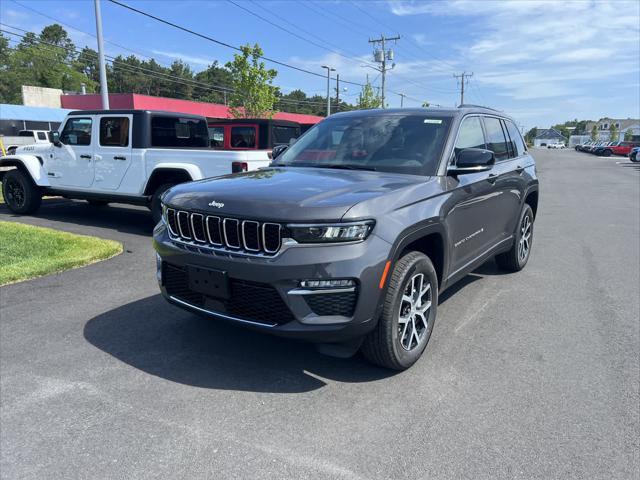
606,149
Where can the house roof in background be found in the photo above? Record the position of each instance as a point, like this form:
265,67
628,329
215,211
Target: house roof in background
549,133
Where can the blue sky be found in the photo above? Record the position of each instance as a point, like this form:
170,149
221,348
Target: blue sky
541,61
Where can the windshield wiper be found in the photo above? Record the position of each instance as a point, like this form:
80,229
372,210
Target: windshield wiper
343,166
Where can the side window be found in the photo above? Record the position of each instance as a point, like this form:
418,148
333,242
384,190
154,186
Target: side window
470,135
516,139
496,140
216,137
243,137
42,136
282,135
77,131
114,132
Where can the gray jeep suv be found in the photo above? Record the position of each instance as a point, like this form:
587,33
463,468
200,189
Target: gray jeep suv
350,235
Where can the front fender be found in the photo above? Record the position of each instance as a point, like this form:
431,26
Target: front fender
31,163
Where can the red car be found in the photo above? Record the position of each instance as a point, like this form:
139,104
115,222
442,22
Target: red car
621,148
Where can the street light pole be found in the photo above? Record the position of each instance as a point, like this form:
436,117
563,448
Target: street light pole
103,67
329,70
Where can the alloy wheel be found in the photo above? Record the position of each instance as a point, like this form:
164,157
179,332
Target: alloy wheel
15,193
524,244
413,320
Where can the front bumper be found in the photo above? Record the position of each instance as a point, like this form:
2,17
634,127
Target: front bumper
273,285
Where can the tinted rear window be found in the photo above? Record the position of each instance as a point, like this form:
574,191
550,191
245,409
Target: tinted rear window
179,132
283,135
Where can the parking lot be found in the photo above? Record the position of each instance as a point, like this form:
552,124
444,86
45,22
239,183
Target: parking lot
527,375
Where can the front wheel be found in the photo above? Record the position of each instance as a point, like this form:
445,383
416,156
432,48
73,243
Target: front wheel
20,193
408,314
156,206
515,259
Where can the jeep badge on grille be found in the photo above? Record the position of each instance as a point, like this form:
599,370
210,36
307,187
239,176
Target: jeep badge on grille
213,203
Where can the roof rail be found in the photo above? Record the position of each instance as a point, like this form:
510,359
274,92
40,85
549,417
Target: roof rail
471,105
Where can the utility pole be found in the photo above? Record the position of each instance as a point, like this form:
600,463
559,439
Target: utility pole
329,70
382,56
337,92
462,80
402,95
103,67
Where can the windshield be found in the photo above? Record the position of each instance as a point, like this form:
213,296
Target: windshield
399,143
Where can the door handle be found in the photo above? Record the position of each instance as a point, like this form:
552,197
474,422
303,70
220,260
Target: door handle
492,178
119,157
85,156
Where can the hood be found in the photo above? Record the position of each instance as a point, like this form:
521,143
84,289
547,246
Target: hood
34,148
293,194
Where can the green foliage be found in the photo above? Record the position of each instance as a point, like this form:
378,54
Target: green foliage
530,135
425,104
368,98
254,95
594,133
50,59
613,133
628,135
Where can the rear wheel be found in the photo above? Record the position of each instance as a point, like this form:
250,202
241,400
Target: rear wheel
606,153
515,259
20,193
408,315
156,206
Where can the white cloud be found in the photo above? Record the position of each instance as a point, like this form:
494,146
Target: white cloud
203,61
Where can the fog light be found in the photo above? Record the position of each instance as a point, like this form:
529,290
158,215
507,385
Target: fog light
327,283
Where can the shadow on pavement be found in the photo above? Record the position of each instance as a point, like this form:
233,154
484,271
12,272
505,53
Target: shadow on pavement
122,218
162,340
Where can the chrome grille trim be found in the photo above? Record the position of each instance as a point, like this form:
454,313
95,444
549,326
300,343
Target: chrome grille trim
193,227
250,233
264,242
211,241
244,238
224,231
182,234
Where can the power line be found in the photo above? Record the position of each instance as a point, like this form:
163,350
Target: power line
142,70
386,55
218,42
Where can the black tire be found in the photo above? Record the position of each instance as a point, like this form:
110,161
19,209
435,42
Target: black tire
97,203
634,158
155,206
515,259
385,345
606,153
21,195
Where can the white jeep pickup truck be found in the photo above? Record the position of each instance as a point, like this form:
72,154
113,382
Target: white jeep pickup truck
123,156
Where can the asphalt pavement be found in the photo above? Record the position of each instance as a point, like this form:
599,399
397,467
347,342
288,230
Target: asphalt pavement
528,375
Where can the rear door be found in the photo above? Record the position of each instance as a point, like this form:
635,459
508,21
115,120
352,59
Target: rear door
510,163
72,164
112,152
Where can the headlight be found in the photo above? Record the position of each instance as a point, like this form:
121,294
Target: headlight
347,232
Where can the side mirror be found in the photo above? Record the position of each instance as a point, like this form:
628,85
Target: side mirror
472,160
55,139
278,150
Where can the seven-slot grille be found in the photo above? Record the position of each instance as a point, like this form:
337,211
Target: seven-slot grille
225,233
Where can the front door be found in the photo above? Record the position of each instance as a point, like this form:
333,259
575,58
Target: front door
112,152
470,216
72,164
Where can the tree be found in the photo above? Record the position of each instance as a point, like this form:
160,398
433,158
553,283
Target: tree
219,79
628,135
369,98
594,133
613,133
425,104
530,135
254,95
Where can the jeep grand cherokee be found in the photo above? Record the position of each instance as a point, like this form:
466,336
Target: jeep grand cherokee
350,235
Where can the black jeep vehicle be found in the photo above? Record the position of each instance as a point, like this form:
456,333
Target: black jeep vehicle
348,238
